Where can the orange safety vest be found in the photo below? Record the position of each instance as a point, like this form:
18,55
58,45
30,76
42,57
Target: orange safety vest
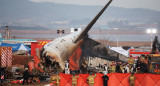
91,79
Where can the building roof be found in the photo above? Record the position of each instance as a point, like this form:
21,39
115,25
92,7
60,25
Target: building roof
18,39
25,41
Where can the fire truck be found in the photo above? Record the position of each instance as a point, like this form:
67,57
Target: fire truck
154,63
152,60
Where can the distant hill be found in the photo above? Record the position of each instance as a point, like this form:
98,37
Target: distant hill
27,13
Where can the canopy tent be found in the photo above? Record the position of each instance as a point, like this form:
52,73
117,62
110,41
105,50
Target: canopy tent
120,50
16,47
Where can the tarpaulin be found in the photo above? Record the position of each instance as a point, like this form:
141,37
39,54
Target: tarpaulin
115,79
118,79
147,80
82,80
98,80
74,59
65,79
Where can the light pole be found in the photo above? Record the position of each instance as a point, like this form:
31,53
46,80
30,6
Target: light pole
151,31
60,32
116,35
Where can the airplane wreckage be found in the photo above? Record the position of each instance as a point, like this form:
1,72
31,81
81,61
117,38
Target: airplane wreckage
76,47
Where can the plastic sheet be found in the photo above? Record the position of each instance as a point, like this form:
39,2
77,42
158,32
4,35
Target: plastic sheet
115,79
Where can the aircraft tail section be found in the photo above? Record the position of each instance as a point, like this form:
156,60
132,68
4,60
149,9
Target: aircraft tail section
85,31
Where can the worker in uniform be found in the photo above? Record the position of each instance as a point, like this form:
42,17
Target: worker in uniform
67,71
127,70
25,76
74,79
121,67
52,78
118,69
132,79
134,69
130,62
105,68
105,79
113,69
84,62
90,79
110,68
55,79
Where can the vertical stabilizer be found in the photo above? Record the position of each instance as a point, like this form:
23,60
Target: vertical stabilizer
85,31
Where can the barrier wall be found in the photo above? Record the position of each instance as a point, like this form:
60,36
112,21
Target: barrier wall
115,79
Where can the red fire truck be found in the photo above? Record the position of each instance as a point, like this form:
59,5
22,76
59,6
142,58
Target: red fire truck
152,60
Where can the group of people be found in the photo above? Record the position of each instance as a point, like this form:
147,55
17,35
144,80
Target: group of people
129,67
55,78
113,67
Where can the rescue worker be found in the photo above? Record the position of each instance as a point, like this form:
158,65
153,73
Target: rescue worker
105,68
74,79
121,67
105,79
134,69
113,69
52,78
84,62
113,63
130,62
138,66
67,71
110,68
132,79
118,69
127,70
90,79
25,76
55,79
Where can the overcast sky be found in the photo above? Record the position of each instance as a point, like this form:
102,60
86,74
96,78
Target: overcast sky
149,4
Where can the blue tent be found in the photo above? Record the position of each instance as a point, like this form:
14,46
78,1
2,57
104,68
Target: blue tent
16,47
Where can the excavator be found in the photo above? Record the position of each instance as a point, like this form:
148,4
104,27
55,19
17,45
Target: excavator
75,46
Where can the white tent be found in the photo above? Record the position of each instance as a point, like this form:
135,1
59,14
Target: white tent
22,47
120,50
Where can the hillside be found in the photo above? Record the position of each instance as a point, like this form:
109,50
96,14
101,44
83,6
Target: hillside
27,13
